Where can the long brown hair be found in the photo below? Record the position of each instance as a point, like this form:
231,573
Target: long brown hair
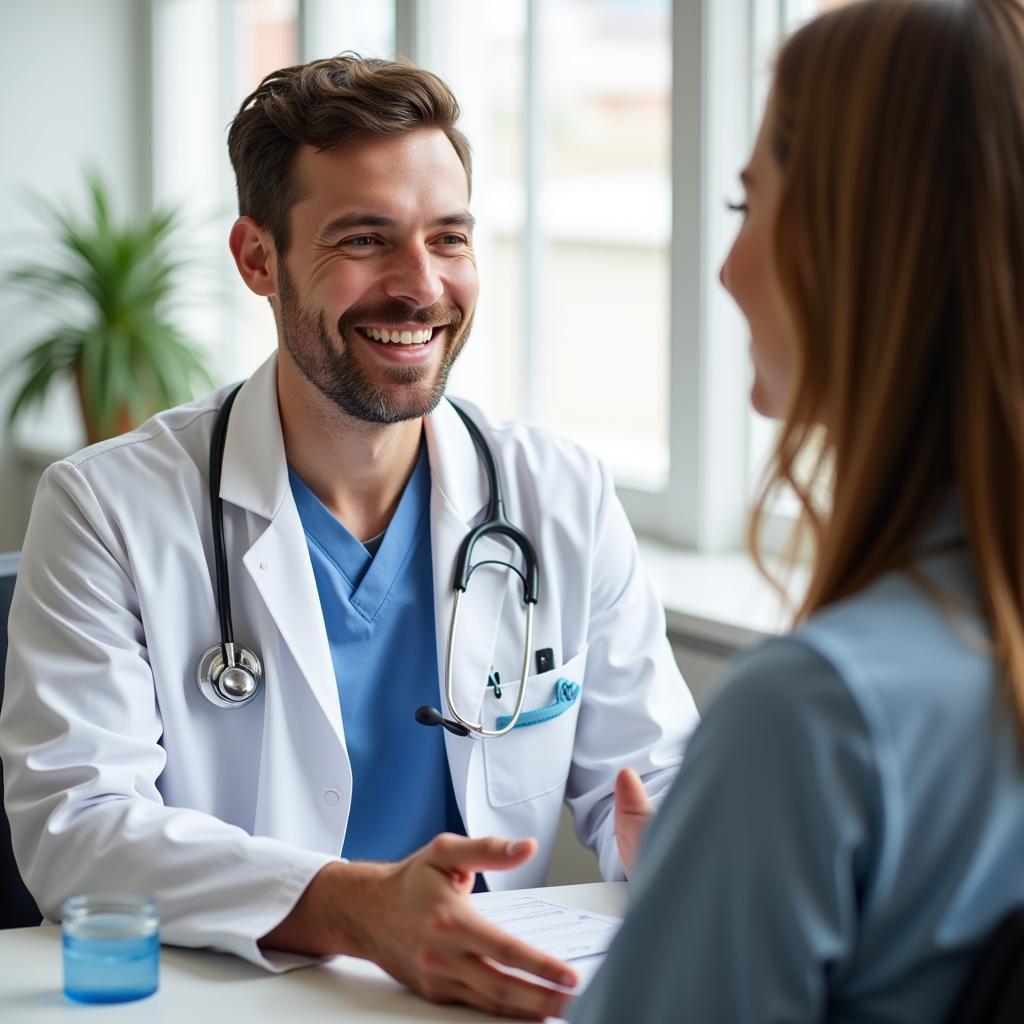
899,129
323,104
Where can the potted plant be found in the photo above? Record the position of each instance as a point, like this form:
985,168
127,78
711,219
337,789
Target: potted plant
113,286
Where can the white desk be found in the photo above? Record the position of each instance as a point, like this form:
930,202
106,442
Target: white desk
197,987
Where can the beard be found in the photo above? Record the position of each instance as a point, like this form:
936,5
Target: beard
408,392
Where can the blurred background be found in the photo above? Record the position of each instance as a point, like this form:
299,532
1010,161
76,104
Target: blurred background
607,135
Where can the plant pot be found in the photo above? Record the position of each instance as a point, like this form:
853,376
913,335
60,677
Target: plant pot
123,422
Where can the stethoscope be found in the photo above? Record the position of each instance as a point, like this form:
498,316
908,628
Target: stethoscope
230,676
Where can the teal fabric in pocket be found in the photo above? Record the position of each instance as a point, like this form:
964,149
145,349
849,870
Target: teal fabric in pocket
566,693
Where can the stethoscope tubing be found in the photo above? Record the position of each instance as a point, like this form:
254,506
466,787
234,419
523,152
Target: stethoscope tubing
220,561
494,524
476,728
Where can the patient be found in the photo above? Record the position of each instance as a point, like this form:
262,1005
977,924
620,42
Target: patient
849,824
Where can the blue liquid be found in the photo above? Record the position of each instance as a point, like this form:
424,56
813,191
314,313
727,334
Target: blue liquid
110,970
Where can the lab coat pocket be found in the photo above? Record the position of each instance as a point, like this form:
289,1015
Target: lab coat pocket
534,757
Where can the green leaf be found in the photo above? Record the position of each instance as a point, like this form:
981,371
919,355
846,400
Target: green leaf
47,359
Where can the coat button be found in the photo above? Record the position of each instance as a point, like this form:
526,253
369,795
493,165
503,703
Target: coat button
332,797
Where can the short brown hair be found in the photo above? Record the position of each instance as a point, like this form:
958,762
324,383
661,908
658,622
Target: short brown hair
324,104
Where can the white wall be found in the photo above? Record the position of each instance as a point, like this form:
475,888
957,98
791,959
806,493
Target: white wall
73,93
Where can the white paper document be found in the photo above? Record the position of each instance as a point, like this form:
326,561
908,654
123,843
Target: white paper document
560,931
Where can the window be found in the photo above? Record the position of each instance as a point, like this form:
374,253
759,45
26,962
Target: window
606,135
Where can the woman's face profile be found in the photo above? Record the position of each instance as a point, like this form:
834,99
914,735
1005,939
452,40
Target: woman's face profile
748,275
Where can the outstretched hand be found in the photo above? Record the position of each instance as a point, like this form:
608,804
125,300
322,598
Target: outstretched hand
415,920
632,813
429,937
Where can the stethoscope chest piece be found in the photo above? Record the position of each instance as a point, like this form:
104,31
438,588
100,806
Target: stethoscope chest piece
229,686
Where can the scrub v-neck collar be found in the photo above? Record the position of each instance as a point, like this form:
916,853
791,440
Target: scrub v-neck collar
370,577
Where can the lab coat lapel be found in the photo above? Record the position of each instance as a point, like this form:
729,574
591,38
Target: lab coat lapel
255,477
458,496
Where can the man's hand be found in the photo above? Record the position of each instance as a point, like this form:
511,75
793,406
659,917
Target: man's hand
632,812
415,921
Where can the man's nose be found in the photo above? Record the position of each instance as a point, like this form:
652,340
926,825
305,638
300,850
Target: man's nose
413,278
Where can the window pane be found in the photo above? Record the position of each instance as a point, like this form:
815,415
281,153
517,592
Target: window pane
798,11
606,212
501,153
268,36
332,27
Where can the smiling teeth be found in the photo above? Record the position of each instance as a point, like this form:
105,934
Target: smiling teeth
401,337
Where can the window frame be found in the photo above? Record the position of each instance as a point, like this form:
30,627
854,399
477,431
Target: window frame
721,51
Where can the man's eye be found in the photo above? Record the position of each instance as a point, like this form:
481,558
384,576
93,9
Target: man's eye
453,240
360,241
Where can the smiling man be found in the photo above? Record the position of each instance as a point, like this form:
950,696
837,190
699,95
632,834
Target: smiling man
401,322
287,798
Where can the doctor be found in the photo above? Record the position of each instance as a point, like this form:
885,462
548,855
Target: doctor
318,816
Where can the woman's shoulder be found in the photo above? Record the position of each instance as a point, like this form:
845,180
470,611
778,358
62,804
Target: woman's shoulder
907,649
910,640
785,687
882,678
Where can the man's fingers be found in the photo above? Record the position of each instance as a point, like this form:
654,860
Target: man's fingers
454,969
500,992
457,853
485,939
458,992
630,795
455,953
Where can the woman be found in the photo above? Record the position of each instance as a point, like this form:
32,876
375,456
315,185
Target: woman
849,824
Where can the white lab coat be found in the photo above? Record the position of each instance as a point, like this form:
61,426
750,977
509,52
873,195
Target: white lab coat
121,776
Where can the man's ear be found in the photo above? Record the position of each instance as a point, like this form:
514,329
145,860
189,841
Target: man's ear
255,255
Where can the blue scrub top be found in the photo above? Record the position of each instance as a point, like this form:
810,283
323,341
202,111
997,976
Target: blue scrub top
379,613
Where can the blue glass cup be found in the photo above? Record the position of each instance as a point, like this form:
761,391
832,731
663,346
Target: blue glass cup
111,947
